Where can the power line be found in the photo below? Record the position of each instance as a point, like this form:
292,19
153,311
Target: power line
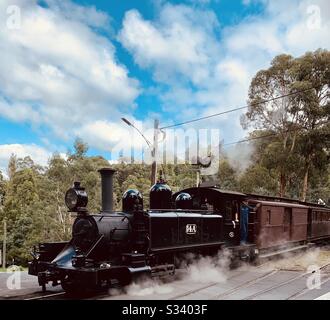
260,137
239,108
269,135
249,139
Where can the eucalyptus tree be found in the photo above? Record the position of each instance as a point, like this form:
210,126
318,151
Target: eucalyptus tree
299,120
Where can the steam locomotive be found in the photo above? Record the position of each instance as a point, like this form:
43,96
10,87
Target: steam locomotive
118,247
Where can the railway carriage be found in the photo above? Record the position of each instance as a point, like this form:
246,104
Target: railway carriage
318,223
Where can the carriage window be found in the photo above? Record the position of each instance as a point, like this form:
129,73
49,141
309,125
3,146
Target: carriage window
228,210
196,202
269,215
287,216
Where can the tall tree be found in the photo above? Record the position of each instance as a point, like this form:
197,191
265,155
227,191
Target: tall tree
80,149
301,118
274,116
12,165
312,70
2,188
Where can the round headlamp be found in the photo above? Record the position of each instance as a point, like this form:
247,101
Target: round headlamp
76,198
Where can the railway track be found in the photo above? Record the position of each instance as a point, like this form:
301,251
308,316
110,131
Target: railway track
244,285
302,292
281,284
251,282
215,283
34,295
57,295
47,296
66,296
221,296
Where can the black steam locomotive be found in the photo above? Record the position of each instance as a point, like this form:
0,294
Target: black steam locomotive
121,246
117,247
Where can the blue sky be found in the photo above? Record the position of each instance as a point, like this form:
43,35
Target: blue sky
74,68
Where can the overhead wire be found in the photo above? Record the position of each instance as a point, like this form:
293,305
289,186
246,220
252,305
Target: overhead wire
236,109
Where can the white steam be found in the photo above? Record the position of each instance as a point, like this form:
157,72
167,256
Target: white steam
239,155
206,268
149,287
193,269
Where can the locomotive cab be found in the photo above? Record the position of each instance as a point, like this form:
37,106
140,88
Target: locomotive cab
213,200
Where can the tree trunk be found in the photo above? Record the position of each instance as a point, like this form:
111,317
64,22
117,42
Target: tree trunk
282,184
305,184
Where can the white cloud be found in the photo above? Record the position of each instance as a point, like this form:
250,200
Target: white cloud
18,112
180,43
205,69
38,154
86,15
114,137
56,70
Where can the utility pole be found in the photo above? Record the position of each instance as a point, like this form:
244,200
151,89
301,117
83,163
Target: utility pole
153,147
197,177
154,151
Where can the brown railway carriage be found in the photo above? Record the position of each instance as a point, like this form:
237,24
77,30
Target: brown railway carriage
318,216
318,223
278,223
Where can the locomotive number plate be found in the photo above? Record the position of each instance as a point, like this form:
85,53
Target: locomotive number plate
191,228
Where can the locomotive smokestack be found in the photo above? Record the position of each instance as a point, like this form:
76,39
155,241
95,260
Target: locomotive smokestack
107,189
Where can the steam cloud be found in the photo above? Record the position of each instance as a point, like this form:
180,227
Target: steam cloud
192,268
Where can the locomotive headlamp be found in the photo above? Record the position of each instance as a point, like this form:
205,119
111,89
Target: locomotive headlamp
76,198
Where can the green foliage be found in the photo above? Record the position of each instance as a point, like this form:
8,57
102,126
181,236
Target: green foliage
258,179
228,176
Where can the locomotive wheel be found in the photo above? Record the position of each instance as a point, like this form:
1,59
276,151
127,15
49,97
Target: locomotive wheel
124,280
69,286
